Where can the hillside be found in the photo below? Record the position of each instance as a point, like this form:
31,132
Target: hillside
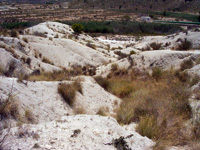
64,90
140,5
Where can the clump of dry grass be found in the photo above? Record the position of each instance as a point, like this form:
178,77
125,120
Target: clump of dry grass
103,111
9,108
155,46
80,110
68,91
29,116
148,127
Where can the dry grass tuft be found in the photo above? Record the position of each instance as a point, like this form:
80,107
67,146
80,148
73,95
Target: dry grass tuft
46,60
103,111
68,91
93,46
29,116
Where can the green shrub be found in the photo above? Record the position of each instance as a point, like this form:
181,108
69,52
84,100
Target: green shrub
78,28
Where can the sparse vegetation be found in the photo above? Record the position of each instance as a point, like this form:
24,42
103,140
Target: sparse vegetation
160,107
49,76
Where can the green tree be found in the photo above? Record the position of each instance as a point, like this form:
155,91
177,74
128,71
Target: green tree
78,28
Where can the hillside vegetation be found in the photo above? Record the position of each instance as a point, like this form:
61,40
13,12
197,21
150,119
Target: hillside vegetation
141,5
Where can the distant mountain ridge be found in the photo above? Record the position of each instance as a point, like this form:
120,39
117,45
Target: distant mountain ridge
144,5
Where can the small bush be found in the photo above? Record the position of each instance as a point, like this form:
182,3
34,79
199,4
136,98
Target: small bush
155,46
157,73
194,80
9,108
114,67
14,33
91,45
46,60
11,69
80,110
78,28
186,64
25,39
102,111
132,52
28,61
68,92
29,116
102,82
184,45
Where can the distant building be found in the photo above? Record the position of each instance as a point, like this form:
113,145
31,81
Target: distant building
146,19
